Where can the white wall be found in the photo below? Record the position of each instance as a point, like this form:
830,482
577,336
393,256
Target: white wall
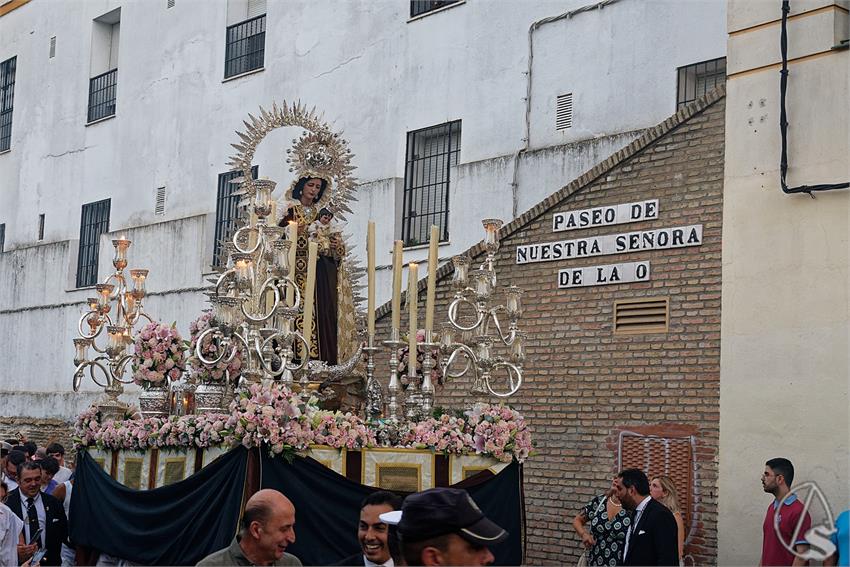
375,75
785,362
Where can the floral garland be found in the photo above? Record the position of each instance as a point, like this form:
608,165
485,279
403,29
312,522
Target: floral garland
273,415
160,353
204,373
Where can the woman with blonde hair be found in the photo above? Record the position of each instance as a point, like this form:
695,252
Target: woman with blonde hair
662,489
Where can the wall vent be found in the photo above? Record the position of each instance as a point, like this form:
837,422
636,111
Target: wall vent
41,226
52,47
170,3
634,316
159,208
564,111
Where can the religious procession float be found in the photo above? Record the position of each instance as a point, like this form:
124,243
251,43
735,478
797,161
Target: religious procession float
282,384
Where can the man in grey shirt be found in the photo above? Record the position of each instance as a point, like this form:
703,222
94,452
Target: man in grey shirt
268,526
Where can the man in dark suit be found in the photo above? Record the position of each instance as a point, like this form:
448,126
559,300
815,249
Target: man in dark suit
652,536
39,511
376,542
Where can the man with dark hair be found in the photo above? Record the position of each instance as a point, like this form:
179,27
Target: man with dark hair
372,532
785,514
652,537
45,524
444,526
57,451
13,461
268,526
30,449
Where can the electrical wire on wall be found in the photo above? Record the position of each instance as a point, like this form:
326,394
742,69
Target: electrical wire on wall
783,121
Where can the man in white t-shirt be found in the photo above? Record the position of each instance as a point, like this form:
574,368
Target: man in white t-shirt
11,528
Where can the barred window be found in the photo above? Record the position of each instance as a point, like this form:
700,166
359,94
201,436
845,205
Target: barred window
226,212
698,79
102,94
94,222
419,7
246,46
7,97
431,153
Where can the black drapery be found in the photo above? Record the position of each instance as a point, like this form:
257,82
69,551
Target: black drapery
327,508
178,524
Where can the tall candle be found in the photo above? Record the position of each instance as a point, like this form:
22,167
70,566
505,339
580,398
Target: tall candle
396,284
412,302
310,291
293,250
370,276
432,278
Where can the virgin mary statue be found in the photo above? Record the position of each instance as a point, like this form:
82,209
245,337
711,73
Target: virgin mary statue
334,336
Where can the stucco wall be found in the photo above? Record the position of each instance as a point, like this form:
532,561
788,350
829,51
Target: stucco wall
784,371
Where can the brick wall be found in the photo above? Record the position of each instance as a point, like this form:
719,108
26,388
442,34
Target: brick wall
40,431
583,384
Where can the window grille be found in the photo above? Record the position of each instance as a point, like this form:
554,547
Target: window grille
102,91
564,111
159,207
245,49
52,47
169,4
419,7
7,96
698,79
634,316
41,227
226,212
94,222
3,237
431,153
663,456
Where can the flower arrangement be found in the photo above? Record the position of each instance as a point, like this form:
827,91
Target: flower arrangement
272,415
204,373
444,433
160,354
342,430
499,431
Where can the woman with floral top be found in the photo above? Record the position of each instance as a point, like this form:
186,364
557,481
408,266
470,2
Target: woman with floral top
602,525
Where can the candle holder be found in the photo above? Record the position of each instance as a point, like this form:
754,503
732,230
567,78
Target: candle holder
374,392
107,364
427,389
394,388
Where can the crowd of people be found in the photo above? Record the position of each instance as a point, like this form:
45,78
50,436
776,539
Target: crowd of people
637,521
35,491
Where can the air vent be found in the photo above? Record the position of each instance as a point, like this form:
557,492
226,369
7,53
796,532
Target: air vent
170,3
634,316
41,226
159,208
564,111
52,47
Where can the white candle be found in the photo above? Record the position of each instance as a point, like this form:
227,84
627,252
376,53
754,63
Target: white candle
396,305
310,292
432,279
412,302
370,271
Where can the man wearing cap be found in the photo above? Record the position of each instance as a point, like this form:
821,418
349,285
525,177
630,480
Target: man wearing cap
444,526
